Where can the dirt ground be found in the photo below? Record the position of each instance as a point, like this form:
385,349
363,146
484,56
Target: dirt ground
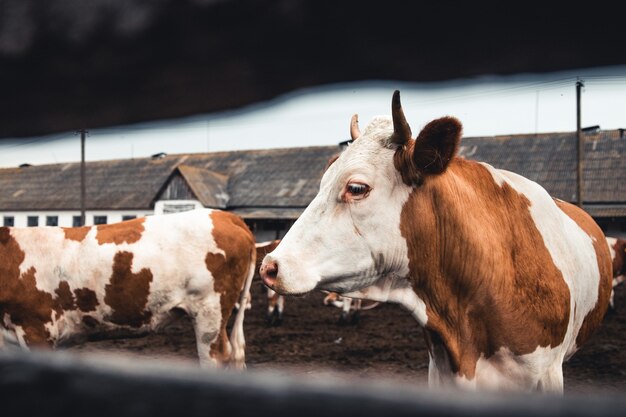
385,344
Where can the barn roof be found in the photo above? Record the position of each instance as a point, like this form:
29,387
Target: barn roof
281,182
550,159
274,178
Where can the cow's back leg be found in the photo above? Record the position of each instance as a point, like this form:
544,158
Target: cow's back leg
344,318
356,314
552,381
237,339
210,330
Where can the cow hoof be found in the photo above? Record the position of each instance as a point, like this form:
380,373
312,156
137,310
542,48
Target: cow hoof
274,319
343,320
356,318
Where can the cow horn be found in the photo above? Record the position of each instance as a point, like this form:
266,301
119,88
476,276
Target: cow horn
401,129
354,127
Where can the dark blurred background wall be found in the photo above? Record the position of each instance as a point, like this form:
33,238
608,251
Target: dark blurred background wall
67,64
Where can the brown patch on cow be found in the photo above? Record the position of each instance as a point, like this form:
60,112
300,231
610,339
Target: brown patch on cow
125,232
76,233
127,293
430,153
480,264
86,299
26,305
594,317
65,297
229,272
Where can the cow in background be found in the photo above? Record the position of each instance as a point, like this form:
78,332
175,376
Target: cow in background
506,282
275,302
59,285
350,307
617,247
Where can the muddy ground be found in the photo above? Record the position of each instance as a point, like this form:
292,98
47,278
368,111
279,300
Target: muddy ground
385,344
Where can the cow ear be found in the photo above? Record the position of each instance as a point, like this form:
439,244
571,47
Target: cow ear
436,145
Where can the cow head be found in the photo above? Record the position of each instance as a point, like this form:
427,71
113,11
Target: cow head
349,236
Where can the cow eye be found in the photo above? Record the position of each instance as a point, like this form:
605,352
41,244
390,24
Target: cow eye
357,190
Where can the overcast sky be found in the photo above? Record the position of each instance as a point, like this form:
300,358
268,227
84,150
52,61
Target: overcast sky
486,106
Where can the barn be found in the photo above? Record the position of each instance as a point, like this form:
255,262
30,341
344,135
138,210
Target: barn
270,188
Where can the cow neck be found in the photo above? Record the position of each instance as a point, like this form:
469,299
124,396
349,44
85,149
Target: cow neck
477,261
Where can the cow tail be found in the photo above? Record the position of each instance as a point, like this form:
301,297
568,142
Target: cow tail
237,339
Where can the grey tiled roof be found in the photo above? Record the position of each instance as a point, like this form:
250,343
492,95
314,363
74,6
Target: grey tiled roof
258,178
278,181
550,159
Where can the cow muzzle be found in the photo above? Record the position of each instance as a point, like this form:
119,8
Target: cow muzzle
269,273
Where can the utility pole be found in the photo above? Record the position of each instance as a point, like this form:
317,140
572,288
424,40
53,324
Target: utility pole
581,147
82,177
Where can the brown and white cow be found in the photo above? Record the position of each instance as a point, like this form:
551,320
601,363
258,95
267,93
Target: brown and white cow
506,281
275,301
617,248
60,284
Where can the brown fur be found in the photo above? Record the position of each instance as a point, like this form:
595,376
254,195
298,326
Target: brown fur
232,236
595,316
76,233
127,293
479,263
26,305
125,232
86,299
65,297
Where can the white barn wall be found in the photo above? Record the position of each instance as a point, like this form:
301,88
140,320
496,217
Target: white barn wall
65,217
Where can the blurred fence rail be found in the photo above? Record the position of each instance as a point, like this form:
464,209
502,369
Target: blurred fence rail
56,384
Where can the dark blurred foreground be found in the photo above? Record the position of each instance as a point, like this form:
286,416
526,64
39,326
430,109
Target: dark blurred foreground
59,385
71,64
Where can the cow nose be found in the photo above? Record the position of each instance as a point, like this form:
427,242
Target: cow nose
269,272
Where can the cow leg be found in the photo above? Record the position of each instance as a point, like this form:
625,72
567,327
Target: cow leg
611,309
280,306
356,314
237,338
211,338
271,307
552,381
345,311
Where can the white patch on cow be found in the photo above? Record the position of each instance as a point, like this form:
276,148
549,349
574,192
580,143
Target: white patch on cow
8,334
505,371
350,251
611,241
394,289
570,247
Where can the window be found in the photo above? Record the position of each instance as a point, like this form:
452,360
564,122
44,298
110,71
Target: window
76,221
9,221
128,217
32,221
52,220
177,208
99,219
